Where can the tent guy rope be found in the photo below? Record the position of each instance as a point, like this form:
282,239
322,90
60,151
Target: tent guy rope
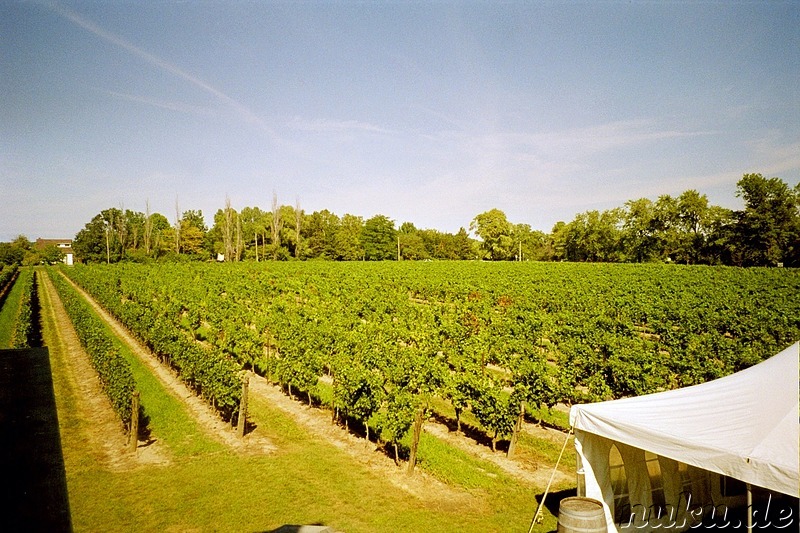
550,482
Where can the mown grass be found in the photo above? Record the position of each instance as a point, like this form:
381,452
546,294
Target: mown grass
207,487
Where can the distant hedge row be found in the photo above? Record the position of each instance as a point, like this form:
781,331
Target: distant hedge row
113,369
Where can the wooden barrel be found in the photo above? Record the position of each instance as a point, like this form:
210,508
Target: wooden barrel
581,515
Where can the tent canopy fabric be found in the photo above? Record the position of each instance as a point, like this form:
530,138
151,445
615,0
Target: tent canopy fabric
744,426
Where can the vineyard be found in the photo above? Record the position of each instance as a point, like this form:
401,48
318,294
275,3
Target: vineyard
382,345
113,370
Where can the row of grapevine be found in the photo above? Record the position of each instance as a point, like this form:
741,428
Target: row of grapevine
113,370
6,274
209,372
24,327
489,338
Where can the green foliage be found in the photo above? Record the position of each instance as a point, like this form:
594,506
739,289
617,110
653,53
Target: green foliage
685,229
6,275
393,337
13,253
495,232
51,255
10,295
768,226
395,421
347,240
379,239
210,373
113,370
24,325
495,410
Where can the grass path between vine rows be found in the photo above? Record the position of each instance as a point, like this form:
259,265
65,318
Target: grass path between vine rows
352,482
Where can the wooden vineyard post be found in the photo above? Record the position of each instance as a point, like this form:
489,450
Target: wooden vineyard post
417,431
240,427
512,446
133,438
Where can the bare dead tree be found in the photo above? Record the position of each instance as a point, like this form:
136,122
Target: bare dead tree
134,231
239,240
108,226
122,229
177,227
148,228
227,229
276,226
298,219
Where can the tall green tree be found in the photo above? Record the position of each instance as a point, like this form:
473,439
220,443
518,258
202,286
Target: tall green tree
667,227
595,236
719,237
557,242
51,255
639,224
411,243
290,245
496,234
462,246
14,252
319,231
379,239
529,244
693,211
134,223
348,238
100,240
767,227
228,229
160,238
254,230
193,232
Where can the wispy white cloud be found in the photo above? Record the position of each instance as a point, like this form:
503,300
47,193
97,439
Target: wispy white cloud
240,110
590,140
565,148
179,107
326,125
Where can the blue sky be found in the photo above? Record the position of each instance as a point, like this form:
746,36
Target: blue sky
428,112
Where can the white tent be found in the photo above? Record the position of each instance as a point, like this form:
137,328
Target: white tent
675,453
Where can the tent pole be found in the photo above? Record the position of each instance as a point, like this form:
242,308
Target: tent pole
749,508
547,489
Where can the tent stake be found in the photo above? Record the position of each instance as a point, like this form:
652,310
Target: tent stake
547,489
749,508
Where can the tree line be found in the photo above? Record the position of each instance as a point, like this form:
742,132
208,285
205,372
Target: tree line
683,229
251,234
